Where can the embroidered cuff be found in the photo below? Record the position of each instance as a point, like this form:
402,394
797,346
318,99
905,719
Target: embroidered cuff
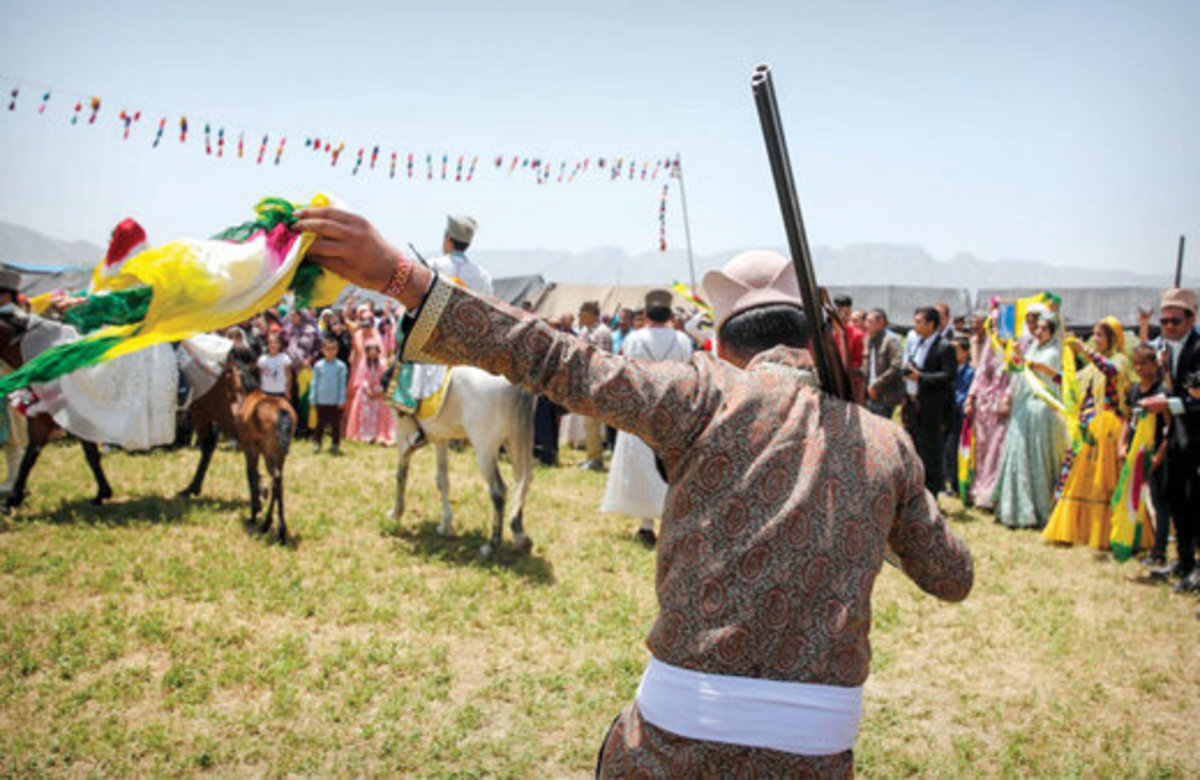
420,324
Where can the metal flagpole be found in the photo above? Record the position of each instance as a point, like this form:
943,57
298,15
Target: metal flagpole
1178,261
687,231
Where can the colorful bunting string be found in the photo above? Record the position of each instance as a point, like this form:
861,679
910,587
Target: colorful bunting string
540,170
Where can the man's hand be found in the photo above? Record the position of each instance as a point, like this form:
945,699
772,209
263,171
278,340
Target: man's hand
350,246
872,394
1156,404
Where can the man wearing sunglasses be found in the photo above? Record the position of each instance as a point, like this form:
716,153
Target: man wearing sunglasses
1179,356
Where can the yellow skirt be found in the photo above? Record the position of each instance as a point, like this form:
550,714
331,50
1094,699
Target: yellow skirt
1083,514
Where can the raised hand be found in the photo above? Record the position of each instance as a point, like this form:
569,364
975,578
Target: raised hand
349,245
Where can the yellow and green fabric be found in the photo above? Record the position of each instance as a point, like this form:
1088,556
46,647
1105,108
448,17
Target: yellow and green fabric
186,287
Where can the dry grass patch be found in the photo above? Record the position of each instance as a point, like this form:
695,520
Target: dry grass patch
155,635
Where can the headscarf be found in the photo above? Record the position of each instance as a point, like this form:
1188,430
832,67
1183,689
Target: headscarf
372,340
1097,381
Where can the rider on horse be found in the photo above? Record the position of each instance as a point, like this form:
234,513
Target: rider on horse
414,382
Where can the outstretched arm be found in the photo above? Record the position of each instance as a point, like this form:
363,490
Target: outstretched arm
666,404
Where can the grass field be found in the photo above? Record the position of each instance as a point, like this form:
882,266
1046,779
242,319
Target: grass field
154,636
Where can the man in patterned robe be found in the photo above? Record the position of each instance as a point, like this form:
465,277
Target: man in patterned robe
781,505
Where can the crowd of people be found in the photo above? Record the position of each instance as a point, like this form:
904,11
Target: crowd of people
331,366
943,379
956,381
950,381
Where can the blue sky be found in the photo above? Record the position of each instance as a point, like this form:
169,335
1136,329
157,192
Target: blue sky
1063,132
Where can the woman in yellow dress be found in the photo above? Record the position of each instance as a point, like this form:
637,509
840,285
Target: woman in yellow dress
1083,511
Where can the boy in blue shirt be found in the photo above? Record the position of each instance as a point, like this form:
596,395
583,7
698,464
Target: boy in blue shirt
327,394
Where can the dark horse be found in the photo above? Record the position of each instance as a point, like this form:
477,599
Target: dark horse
214,412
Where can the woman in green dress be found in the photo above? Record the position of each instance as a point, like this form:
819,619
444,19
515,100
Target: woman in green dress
1036,439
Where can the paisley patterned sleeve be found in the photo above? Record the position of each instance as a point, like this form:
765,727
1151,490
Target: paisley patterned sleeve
936,559
666,404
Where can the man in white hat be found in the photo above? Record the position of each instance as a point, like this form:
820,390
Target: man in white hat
416,381
1179,355
454,264
781,504
634,486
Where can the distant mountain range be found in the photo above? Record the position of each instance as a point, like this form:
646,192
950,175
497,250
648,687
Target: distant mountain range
855,264
852,265
22,246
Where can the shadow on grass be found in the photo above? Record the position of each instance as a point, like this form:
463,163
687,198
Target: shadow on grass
130,512
958,512
462,549
270,536
1144,578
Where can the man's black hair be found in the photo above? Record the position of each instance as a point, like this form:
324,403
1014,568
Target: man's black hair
881,314
459,246
930,314
757,330
843,301
659,314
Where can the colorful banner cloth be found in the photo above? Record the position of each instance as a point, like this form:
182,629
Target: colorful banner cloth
186,287
1131,526
966,459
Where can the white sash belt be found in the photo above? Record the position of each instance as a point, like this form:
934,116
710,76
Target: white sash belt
802,718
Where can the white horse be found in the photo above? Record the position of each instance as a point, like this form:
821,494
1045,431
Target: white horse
492,413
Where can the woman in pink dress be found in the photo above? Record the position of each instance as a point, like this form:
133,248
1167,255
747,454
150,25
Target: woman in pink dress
367,416
985,406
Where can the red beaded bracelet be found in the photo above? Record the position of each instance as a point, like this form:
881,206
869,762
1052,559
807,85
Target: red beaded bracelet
398,280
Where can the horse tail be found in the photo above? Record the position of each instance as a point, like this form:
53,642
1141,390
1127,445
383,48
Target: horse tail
284,424
526,406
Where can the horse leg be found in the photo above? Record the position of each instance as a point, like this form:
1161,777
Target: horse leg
520,455
17,496
252,480
208,444
489,467
443,484
269,515
103,490
277,497
402,461
275,472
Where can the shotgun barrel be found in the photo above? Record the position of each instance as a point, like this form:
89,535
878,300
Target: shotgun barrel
1179,264
424,262
831,376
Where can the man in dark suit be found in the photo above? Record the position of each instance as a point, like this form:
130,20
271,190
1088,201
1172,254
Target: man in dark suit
884,359
1179,355
930,387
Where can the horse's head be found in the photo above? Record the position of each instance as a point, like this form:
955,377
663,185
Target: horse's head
14,322
243,371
